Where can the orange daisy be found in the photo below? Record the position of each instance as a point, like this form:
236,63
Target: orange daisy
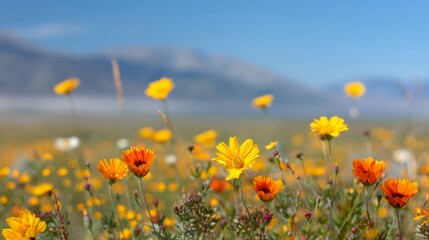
139,160
113,169
398,191
267,188
368,171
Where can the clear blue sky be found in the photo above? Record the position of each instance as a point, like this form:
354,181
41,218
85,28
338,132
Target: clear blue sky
314,42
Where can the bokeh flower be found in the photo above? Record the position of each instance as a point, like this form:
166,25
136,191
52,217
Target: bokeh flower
263,101
398,191
25,227
328,127
236,158
67,144
112,169
272,145
354,89
218,184
267,188
368,171
67,86
421,213
162,136
207,138
139,160
146,132
160,89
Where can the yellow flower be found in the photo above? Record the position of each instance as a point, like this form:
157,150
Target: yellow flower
272,145
4,172
40,189
162,136
25,227
355,89
207,138
160,89
328,127
113,169
146,132
67,86
263,101
236,158
62,172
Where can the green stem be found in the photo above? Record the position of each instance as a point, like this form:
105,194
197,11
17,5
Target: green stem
145,202
399,224
367,206
114,212
245,206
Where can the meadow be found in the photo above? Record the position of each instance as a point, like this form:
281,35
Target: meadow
170,177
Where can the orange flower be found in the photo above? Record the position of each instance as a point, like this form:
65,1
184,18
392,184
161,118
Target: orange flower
218,185
398,191
113,169
139,160
368,170
267,188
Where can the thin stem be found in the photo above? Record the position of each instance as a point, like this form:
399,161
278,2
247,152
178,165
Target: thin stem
92,234
399,224
114,212
330,157
145,202
245,206
72,112
367,206
333,187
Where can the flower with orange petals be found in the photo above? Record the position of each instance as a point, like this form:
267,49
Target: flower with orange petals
139,160
398,191
112,169
421,213
368,171
267,188
218,185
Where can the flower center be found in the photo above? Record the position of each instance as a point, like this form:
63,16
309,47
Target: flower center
265,190
237,162
139,162
400,195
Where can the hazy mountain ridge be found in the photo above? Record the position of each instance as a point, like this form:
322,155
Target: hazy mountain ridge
29,70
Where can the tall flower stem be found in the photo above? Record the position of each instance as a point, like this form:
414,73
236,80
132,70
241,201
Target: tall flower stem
169,121
367,206
399,223
145,202
114,212
245,206
72,112
330,155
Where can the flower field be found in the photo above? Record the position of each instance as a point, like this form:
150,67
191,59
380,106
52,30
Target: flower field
325,177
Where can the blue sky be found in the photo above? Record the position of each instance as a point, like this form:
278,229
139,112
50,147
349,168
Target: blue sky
314,42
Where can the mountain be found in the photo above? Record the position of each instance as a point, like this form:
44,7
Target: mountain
30,70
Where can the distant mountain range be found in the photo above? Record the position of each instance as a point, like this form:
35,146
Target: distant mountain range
28,70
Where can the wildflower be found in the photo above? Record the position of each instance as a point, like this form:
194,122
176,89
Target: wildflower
272,145
146,132
40,189
67,86
368,171
139,160
398,191
328,127
207,138
170,159
160,89
67,144
27,226
122,143
236,158
218,185
355,89
421,213
4,172
162,136
267,188
113,169
263,101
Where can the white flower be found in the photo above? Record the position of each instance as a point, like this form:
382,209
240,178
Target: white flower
405,157
67,144
171,159
122,143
